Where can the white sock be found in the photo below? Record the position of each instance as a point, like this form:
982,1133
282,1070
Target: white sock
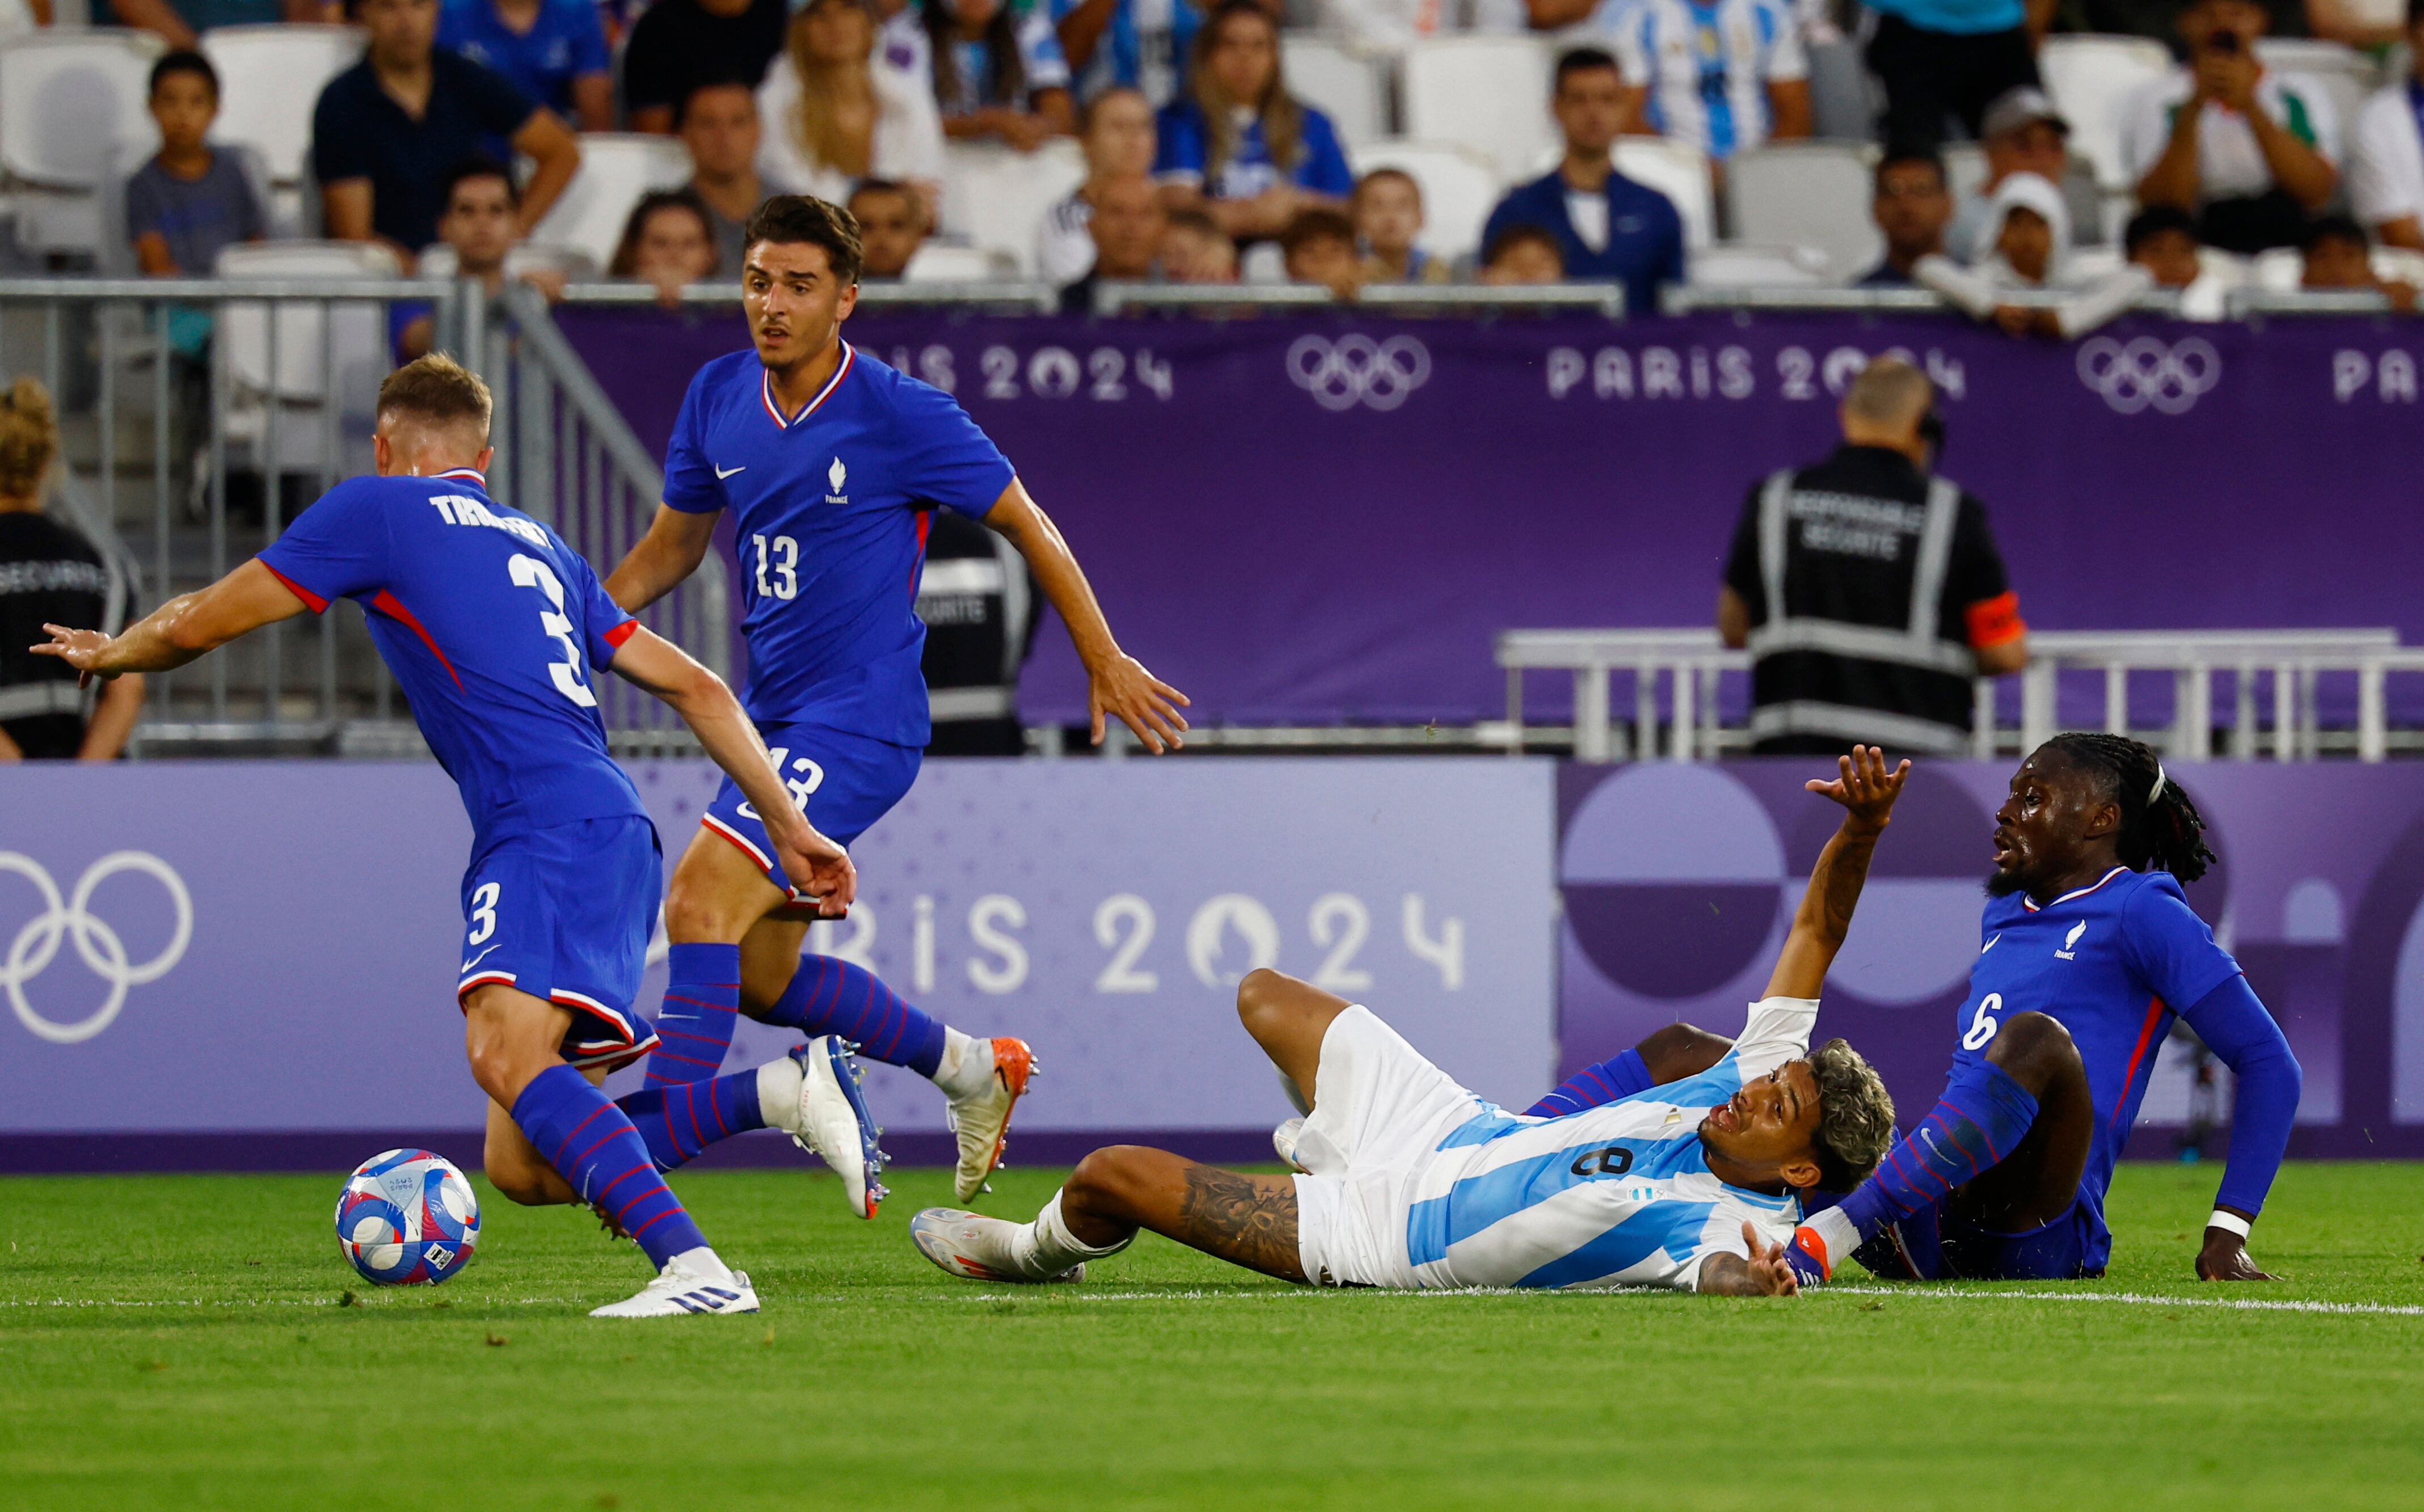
778,1094
702,1263
1838,1233
966,1066
1045,1247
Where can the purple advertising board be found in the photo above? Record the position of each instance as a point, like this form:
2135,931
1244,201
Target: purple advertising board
234,962
1318,518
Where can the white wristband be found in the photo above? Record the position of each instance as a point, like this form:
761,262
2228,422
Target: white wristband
2232,1221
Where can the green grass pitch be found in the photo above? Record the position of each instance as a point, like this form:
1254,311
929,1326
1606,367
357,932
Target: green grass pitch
178,1341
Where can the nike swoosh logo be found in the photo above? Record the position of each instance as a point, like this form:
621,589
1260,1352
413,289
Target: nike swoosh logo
722,473
1990,945
483,955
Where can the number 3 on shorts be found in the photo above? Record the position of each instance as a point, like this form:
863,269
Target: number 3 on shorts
483,911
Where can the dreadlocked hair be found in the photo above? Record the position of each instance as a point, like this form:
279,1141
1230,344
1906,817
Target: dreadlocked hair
2160,829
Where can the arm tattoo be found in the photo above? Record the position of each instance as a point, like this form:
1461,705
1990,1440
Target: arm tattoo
1246,1219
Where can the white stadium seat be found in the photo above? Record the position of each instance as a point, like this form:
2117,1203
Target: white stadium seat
616,169
1753,265
2091,79
307,340
2344,75
1808,193
1965,169
273,78
995,197
1348,87
939,263
529,257
69,102
1489,93
1681,172
1459,191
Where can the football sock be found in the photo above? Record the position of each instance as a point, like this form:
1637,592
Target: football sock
830,995
1045,1247
695,1027
1982,1115
593,1144
678,1120
965,1067
1618,1076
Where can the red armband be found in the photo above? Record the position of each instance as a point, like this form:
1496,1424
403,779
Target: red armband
1995,621
620,633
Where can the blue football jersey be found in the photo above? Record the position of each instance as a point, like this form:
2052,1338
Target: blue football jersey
2114,962
829,518
495,629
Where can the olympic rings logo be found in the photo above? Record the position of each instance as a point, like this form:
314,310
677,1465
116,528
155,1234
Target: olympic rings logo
1357,370
103,952
2149,372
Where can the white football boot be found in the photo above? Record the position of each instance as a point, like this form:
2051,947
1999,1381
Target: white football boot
981,1120
679,1288
833,1122
976,1248
1284,1140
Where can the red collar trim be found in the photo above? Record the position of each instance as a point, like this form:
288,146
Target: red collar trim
473,473
2031,903
775,411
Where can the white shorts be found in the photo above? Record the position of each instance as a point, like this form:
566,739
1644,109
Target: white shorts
1379,1112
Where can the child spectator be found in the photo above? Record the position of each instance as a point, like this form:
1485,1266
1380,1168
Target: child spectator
1722,76
1238,146
555,50
835,112
679,45
1388,209
1319,246
2164,241
1194,249
2028,228
891,227
2339,255
996,68
670,242
192,200
1116,128
1522,254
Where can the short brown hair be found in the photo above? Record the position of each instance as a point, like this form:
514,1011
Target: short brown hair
1856,1116
799,217
436,390
1320,224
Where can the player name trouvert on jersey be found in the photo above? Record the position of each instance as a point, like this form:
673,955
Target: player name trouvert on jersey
462,509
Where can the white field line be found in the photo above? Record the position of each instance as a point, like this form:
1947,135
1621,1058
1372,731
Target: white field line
2235,1304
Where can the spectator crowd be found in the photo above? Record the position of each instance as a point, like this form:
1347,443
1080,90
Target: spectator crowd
460,128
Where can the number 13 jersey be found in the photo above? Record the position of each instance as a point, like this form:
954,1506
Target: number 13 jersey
829,523
494,627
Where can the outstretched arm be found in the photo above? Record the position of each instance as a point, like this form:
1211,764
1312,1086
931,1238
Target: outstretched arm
1116,682
813,862
1867,791
180,630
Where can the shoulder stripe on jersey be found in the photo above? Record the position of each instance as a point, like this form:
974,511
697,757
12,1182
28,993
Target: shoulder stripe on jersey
2031,903
841,370
387,603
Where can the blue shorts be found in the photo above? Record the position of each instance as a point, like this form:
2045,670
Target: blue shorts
844,783
1934,1244
564,914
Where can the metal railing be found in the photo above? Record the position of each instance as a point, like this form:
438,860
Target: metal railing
1678,676
199,416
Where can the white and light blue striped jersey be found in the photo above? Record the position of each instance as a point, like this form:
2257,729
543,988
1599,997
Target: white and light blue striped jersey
1708,66
1618,1195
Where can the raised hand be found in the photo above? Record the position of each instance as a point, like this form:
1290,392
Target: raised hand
1121,686
1863,786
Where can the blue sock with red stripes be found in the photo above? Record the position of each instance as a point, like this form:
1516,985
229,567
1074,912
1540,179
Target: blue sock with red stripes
1618,1076
830,995
695,1027
680,1118
590,1141
1981,1116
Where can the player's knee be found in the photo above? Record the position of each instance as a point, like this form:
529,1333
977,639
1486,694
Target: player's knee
1258,994
1102,1179
695,916
1681,1050
2033,1047
515,1179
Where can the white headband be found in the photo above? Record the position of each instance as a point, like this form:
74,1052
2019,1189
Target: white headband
2158,792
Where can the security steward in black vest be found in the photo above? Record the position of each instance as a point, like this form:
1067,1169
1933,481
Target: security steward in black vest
1868,591
978,604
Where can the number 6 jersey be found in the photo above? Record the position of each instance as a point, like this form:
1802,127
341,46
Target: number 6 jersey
495,629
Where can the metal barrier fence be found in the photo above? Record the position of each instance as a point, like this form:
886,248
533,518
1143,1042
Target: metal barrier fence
199,416
1689,667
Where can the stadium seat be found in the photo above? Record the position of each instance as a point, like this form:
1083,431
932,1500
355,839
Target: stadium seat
1459,191
66,100
616,169
1681,172
1965,169
1842,103
1806,194
307,340
530,257
995,197
1489,93
2344,75
2091,79
1753,265
941,263
1351,89
274,76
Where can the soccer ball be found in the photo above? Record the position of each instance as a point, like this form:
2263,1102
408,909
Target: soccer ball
408,1219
